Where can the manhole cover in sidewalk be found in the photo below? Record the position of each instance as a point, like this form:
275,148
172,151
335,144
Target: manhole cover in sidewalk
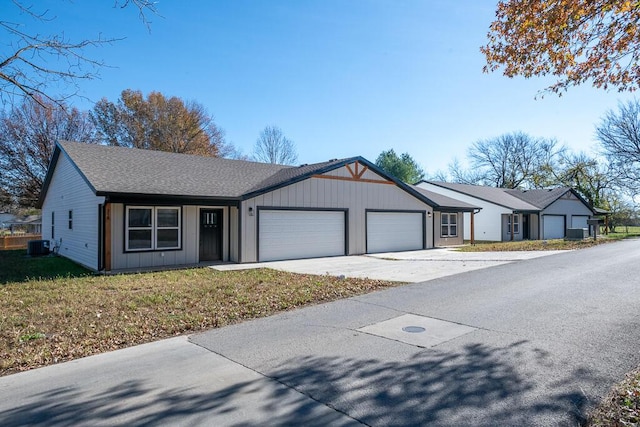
413,329
417,330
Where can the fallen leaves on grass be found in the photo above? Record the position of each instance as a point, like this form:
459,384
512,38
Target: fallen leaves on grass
621,407
533,245
53,320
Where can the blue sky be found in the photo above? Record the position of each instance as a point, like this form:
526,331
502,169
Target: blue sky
341,78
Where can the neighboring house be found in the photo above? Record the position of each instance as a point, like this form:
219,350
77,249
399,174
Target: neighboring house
114,209
5,219
517,214
30,224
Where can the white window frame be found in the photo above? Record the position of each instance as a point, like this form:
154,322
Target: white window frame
516,224
154,228
449,224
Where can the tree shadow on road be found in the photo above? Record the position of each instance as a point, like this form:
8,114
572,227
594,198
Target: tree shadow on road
480,385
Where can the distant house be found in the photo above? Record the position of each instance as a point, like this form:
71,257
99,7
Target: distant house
30,224
517,214
114,209
5,220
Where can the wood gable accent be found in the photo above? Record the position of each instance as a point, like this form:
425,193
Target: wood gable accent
356,171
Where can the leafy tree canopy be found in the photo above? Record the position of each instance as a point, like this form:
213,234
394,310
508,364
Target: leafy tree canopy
158,123
574,40
403,167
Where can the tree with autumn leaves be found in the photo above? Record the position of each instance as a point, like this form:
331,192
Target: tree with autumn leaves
574,40
158,122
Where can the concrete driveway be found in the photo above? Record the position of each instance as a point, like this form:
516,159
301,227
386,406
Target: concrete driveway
410,267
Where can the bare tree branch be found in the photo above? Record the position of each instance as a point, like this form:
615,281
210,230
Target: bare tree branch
31,63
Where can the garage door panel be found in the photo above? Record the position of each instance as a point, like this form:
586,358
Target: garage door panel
296,234
553,227
394,231
579,221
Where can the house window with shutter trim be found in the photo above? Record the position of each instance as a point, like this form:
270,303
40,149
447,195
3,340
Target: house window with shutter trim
70,220
53,225
150,228
449,224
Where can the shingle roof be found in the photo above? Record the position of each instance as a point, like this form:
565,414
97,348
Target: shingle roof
128,170
445,202
493,195
540,198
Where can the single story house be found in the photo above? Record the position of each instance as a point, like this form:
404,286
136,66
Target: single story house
30,224
114,209
511,214
6,219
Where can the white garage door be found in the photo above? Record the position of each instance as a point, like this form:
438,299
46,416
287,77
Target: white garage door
291,234
579,221
394,231
553,226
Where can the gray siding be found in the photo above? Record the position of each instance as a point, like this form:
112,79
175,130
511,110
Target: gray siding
534,227
447,241
332,193
68,191
567,206
189,254
233,234
506,234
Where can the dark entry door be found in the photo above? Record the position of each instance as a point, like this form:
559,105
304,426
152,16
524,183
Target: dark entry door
525,227
210,234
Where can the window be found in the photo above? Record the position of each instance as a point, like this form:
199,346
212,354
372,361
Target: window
152,228
516,224
449,224
70,220
53,225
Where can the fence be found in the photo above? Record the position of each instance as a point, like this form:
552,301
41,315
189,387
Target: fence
17,242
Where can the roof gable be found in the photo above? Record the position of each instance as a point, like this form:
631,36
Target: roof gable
543,198
497,196
120,171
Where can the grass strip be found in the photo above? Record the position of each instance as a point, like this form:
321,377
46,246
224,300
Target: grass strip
49,320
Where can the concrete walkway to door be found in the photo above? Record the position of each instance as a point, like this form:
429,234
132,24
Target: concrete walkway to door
411,266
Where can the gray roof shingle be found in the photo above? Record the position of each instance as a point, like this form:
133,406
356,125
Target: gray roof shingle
132,171
444,202
540,197
494,195
129,171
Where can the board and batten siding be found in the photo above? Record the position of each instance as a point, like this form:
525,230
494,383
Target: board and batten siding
69,191
353,195
448,241
506,232
567,205
188,255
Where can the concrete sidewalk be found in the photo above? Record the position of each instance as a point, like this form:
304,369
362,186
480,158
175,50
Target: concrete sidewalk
169,382
409,267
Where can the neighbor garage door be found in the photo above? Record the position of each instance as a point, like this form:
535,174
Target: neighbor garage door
553,226
579,221
294,234
394,231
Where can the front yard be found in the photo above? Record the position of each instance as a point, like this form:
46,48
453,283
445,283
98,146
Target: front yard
52,310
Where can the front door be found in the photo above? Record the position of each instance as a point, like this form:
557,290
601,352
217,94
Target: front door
210,234
525,227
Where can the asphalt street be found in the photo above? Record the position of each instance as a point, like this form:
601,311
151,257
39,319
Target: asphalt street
532,342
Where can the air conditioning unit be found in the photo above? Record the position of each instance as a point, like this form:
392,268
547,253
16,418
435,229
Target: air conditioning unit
38,247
